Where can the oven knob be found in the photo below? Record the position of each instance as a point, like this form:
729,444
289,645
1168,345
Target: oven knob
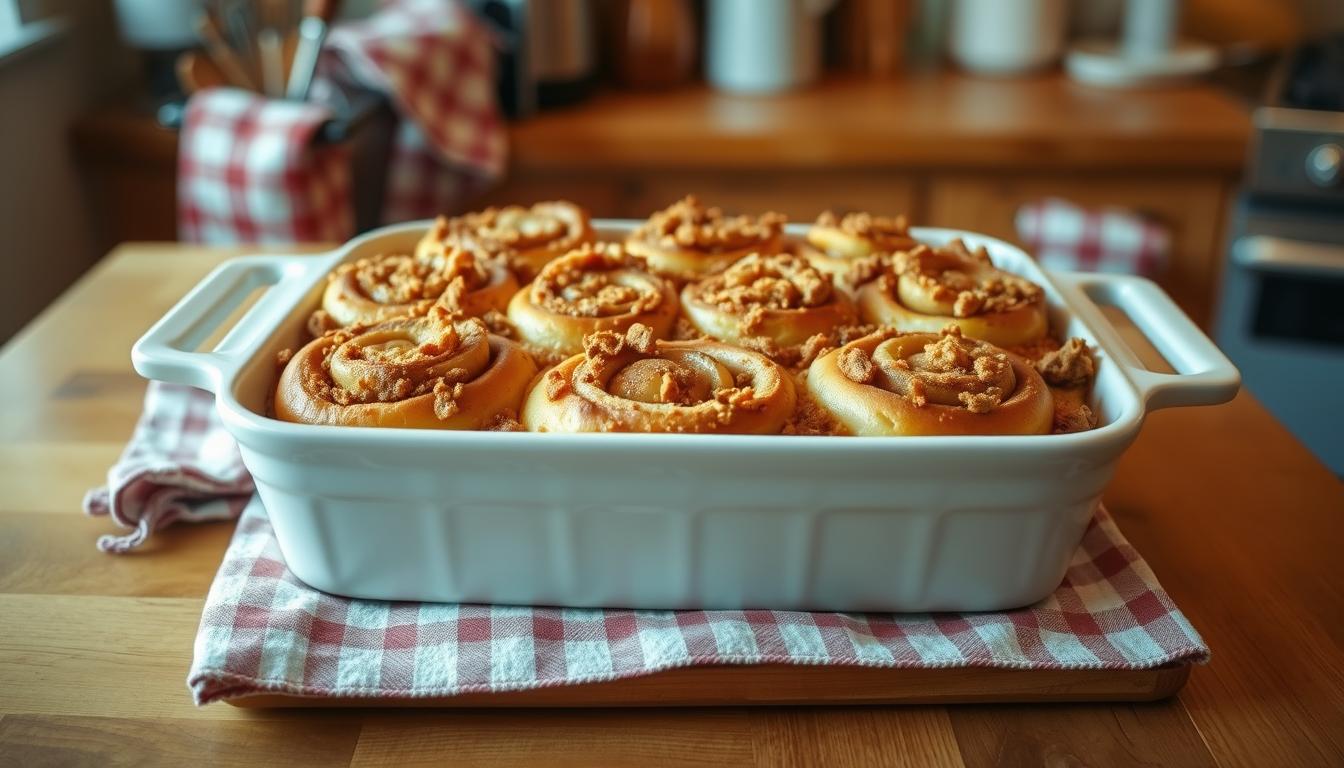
1325,165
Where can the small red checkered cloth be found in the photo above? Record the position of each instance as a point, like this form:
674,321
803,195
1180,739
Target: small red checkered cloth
249,170
264,631
180,464
435,61
1065,236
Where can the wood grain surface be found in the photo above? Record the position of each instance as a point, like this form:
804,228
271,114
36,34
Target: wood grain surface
944,120
1240,523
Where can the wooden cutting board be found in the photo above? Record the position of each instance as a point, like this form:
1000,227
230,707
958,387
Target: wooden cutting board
788,684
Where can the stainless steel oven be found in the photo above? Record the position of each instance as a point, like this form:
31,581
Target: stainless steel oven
1281,312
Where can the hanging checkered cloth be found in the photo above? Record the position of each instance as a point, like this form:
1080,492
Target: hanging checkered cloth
1065,236
435,61
264,631
179,465
249,172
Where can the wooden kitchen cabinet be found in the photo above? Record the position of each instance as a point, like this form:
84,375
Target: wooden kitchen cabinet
1192,208
944,148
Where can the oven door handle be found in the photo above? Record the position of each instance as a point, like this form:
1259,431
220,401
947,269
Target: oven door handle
1264,253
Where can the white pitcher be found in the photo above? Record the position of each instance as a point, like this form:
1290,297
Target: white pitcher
760,46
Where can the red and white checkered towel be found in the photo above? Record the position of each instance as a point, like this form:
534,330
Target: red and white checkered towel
181,464
264,631
1066,236
249,170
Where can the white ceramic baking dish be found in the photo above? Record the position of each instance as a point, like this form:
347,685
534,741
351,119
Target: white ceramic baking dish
675,521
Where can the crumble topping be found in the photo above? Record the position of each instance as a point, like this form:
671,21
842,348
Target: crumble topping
965,278
758,283
885,233
1071,365
596,281
689,225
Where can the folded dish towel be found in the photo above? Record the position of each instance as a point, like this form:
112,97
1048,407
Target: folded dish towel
249,170
1066,236
264,631
181,464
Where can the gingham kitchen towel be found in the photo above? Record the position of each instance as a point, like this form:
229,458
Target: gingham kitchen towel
250,172
1066,236
264,631
435,61
179,465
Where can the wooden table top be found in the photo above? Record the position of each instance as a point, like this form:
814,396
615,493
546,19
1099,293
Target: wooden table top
1240,523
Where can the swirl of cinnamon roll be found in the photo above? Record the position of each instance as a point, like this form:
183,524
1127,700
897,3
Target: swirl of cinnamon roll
780,297
687,240
837,241
926,288
888,383
436,371
634,383
384,287
590,289
527,238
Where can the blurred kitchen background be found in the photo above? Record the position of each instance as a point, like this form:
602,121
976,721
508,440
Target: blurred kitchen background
1200,143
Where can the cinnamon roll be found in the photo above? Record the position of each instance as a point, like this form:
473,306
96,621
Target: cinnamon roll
926,288
436,371
1069,371
376,289
889,383
837,241
781,297
634,383
687,240
527,238
593,288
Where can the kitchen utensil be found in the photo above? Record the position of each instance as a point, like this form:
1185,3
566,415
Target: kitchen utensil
271,55
675,521
235,71
317,16
196,71
756,47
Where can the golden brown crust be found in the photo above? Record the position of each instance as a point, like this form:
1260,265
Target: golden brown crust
927,288
688,240
889,383
634,383
389,286
437,371
838,241
591,289
527,238
779,298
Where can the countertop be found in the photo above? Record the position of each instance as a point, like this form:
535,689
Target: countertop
1238,520
938,120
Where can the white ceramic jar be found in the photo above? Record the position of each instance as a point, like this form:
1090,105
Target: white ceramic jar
1007,37
761,46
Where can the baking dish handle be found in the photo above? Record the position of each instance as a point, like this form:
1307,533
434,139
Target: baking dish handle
1206,376
167,350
